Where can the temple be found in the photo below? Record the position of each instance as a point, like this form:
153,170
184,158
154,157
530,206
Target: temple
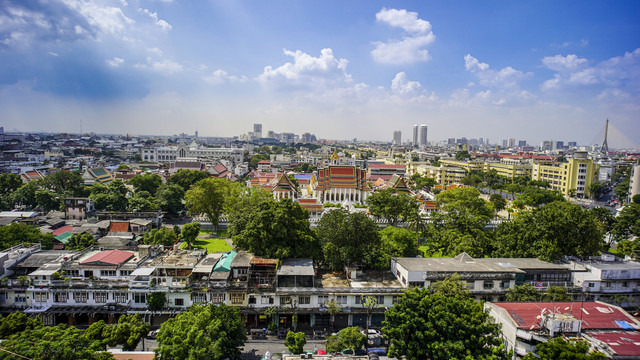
339,183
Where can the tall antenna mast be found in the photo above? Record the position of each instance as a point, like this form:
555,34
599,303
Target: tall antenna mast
605,148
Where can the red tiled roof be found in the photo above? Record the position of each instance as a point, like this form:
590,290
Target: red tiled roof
111,257
62,230
119,226
622,343
594,315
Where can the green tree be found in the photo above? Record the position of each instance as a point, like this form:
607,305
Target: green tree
164,236
391,205
16,322
52,343
64,183
112,197
9,183
604,217
622,190
596,189
25,195
295,342
169,197
333,308
140,203
128,331
202,332
186,178
627,224
465,199
18,233
396,242
548,232
243,205
278,229
208,197
347,338
190,232
556,293
427,324
560,348
80,241
156,300
422,182
348,238
523,293
146,182
47,200
461,155
499,203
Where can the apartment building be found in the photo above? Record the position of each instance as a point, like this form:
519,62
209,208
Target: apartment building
608,279
573,176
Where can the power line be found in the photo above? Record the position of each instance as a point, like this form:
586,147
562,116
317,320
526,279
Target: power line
12,353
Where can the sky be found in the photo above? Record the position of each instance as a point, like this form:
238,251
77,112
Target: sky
529,70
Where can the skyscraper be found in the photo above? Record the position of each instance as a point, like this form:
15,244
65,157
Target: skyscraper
415,135
257,131
397,137
423,135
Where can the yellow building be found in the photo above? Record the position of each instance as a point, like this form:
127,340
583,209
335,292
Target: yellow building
575,175
468,165
510,170
443,175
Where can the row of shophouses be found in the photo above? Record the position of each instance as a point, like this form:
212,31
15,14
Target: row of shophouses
82,287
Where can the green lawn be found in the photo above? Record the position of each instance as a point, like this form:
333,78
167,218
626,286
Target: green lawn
422,249
211,245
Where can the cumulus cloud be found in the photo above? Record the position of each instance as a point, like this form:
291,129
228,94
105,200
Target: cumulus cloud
106,19
220,77
409,49
115,62
307,71
165,26
619,71
401,85
506,77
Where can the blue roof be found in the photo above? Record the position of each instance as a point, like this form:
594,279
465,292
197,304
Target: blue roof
302,176
224,264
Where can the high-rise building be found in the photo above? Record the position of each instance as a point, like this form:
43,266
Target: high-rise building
572,144
257,130
481,141
505,143
522,143
512,142
451,141
415,135
559,145
423,135
397,137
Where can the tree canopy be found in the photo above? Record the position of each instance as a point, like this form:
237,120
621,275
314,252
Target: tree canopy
189,232
208,197
169,198
202,332
549,232
277,229
19,233
442,324
347,338
391,205
164,236
560,348
146,182
397,242
186,178
348,238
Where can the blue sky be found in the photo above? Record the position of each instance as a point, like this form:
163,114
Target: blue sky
530,70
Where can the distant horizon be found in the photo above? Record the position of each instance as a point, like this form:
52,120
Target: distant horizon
340,70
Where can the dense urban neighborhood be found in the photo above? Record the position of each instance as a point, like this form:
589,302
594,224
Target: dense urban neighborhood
202,244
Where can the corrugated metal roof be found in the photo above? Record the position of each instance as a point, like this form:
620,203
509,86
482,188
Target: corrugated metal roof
62,230
111,257
622,343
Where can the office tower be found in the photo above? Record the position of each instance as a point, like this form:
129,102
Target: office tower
522,143
559,144
397,137
512,142
572,144
257,130
271,134
196,133
423,135
415,135
451,141
481,141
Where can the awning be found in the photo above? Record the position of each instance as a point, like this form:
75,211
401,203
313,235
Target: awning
143,271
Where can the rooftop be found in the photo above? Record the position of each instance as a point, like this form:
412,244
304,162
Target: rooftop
621,343
302,267
111,257
458,264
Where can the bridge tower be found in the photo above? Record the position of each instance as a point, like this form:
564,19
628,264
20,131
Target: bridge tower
604,149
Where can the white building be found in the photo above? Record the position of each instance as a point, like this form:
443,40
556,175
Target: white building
191,151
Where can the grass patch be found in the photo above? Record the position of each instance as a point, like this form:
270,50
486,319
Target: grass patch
211,245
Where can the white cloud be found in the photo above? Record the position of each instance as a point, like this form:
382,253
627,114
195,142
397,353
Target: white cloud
612,95
165,26
166,66
619,71
107,19
307,71
506,77
220,76
410,48
401,85
115,62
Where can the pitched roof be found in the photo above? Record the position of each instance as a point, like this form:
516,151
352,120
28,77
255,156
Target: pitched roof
111,257
117,226
594,315
621,343
101,175
62,230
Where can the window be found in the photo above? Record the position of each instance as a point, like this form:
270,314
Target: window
198,298
591,285
40,297
416,283
108,273
285,300
179,302
101,297
81,297
217,298
252,299
125,272
60,297
120,297
72,273
322,299
22,297
341,299
488,285
505,284
304,300
237,298
380,299
266,300
139,298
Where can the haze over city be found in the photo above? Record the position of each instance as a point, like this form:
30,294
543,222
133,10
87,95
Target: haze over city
341,70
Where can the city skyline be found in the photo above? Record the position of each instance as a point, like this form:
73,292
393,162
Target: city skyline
496,70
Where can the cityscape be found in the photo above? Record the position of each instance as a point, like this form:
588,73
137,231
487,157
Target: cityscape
233,180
